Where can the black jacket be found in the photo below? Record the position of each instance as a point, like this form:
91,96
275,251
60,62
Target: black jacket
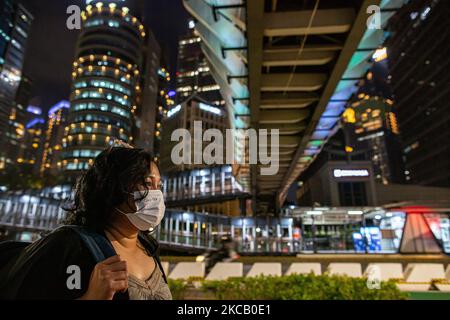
40,272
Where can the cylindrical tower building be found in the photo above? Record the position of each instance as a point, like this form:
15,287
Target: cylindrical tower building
105,85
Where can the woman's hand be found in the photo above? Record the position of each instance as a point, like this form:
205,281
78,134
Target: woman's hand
107,278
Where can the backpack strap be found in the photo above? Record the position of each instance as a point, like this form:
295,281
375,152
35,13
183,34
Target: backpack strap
158,260
152,246
97,244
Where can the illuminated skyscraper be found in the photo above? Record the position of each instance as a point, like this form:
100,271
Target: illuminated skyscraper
154,99
192,111
199,186
370,123
215,188
33,143
193,73
22,115
15,22
419,63
164,102
370,126
106,82
57,120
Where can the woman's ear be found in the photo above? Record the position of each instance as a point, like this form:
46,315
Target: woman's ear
131,204
128,206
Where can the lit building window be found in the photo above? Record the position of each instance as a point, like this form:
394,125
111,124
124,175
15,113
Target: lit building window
190,41
380,54
349,116
209,88
184,89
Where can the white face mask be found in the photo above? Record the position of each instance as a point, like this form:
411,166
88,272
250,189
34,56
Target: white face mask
150,210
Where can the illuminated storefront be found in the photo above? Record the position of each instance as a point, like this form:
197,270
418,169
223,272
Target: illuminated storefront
340,183
413,229
364,230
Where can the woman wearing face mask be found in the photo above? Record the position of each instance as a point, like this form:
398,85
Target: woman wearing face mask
119,198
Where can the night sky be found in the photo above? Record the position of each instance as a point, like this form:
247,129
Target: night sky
51,47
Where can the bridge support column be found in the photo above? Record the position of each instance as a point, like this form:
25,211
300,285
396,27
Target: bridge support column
254,242
166,229
199,233
170,233
187,231
175,186
244,236
177,230
222,183
208,230
183,187
291,246
278,237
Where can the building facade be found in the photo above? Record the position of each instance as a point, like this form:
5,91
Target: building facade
196,185
33,143
370,124
106,83
15,23
165,101
56,124
154,100
195,116
418,53
193,72
353,184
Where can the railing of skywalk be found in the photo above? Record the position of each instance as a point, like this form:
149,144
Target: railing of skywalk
33,214
26,213
36,215
30,216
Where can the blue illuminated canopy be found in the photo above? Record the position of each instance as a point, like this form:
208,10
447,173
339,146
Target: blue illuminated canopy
64,104
34,122
34,110
173,111
209,108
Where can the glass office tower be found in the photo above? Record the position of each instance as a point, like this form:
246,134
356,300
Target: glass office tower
105,82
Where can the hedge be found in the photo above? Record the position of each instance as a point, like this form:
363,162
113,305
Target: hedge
177,288
293,287
302,287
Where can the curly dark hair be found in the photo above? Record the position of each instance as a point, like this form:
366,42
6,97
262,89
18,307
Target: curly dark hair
107,184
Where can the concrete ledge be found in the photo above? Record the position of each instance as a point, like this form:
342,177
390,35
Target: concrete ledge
304,268
417,287
341,257
225,270
266,269
186,270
